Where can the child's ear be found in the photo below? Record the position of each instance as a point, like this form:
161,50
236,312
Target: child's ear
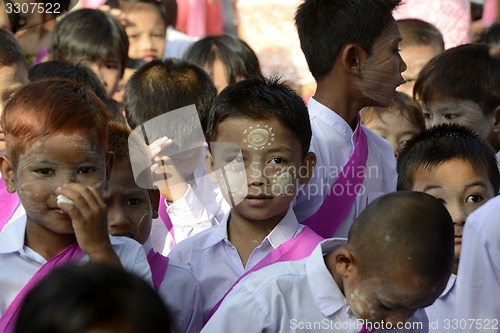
210,167
352,57
307,168
8,173
496,118
344,261
154,198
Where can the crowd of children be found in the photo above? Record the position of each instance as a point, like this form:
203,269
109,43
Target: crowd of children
142,194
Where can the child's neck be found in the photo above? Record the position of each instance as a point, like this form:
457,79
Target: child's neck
339,101
45,242
246,235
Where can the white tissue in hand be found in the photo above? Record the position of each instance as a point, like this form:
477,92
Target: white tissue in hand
63,199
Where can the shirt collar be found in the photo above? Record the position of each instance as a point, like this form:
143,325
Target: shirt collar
286,229
449,285
12,235
328,116
329,298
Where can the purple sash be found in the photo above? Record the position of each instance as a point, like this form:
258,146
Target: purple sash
295,248
158,265
335,208
8,204
365,330
165,218
71,253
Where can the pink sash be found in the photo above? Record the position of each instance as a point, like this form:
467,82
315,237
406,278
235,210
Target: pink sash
8,204
165,218
335,208
295,248
158,265
71,253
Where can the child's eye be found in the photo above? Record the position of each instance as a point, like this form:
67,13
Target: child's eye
277,160
450,116
475,198
237,159
133,202
427,115
86,169
44,171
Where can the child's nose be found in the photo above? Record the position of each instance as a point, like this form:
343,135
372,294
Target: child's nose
255,174
117,221
458,214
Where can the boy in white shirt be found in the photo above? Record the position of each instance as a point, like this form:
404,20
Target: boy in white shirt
458,167
351,48
259,133
396,261
190,203
58,163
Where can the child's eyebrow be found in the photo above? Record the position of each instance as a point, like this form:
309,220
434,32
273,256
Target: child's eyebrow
477,183
280,149
431,187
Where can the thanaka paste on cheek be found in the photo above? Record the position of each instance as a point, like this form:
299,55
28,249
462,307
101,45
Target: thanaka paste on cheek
259,137
283,183
373,81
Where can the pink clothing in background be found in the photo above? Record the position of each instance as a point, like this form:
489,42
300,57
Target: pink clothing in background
199,18
451,17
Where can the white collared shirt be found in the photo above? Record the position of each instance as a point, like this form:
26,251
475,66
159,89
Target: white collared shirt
294,296
215,261
478,278
201,207
19,263
443,309
180,290
333,142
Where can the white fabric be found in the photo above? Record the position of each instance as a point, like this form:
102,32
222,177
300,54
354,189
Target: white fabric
291,297
333,143
181,292
443,310
478,282
19,263
215,261
201,207
177,43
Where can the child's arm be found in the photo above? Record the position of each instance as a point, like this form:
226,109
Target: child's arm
89,218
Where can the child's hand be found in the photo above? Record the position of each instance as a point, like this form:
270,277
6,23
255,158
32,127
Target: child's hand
166,175
88,214
117,13
495,51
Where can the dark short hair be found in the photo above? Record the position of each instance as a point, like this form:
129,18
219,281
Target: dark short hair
89,35
465,72
491,36
239,59
415,32
443,143
325,26
162,86
10,50
58,68
261,98
75,298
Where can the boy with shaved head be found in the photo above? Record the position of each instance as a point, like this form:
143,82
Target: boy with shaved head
396,261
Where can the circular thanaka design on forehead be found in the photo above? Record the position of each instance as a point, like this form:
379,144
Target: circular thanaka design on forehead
258,138
282,183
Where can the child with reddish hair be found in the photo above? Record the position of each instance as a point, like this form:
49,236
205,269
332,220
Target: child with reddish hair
58,163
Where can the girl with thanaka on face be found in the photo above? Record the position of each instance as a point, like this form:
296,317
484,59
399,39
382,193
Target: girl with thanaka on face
131,210
420,42
351,48
459,168
398,123
56,136
227,59
459,87
258,133
396,261
95,39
